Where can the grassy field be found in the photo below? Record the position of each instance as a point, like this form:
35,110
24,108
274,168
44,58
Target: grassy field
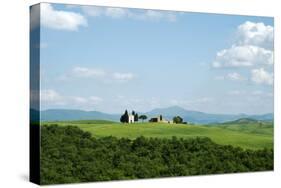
248,136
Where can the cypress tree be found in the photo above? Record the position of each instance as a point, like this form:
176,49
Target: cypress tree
136,117
125,117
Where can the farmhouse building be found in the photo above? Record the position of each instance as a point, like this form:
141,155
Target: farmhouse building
159,119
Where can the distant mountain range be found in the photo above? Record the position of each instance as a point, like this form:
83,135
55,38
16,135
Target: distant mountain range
167,113
67,114
201,117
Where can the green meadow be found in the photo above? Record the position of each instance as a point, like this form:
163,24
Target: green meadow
251,135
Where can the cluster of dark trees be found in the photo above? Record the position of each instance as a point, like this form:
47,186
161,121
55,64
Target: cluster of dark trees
70,155
125,117
177,119
143,117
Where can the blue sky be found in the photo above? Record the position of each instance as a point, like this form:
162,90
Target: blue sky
111,59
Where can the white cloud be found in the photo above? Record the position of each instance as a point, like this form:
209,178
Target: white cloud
260,76
151,15
83,101
105,11
257,34
116,12
243,56
87,72
92,10
235,76
98,74
61,20
252,51
79,100
123,76
51,96
252,47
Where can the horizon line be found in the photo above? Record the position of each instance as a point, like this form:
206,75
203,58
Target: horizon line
152,110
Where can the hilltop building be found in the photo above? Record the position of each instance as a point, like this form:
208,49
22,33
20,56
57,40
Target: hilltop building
129,118
159,119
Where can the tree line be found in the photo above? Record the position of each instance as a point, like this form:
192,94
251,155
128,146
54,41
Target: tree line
70,155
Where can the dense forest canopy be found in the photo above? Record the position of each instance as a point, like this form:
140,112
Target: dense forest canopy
69,155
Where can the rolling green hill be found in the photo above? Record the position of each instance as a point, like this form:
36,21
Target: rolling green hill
250,136
247,125
242,120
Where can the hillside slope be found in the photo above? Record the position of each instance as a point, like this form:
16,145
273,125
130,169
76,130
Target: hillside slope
220,135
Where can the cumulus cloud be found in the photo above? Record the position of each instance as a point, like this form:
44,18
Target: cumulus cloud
235,76
117,13
154,15
92,10
99,74
123,76
83,72
257,34
92,100
243,56
260,76
252,51
79,100
253,47
88,72
59,19
52,97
